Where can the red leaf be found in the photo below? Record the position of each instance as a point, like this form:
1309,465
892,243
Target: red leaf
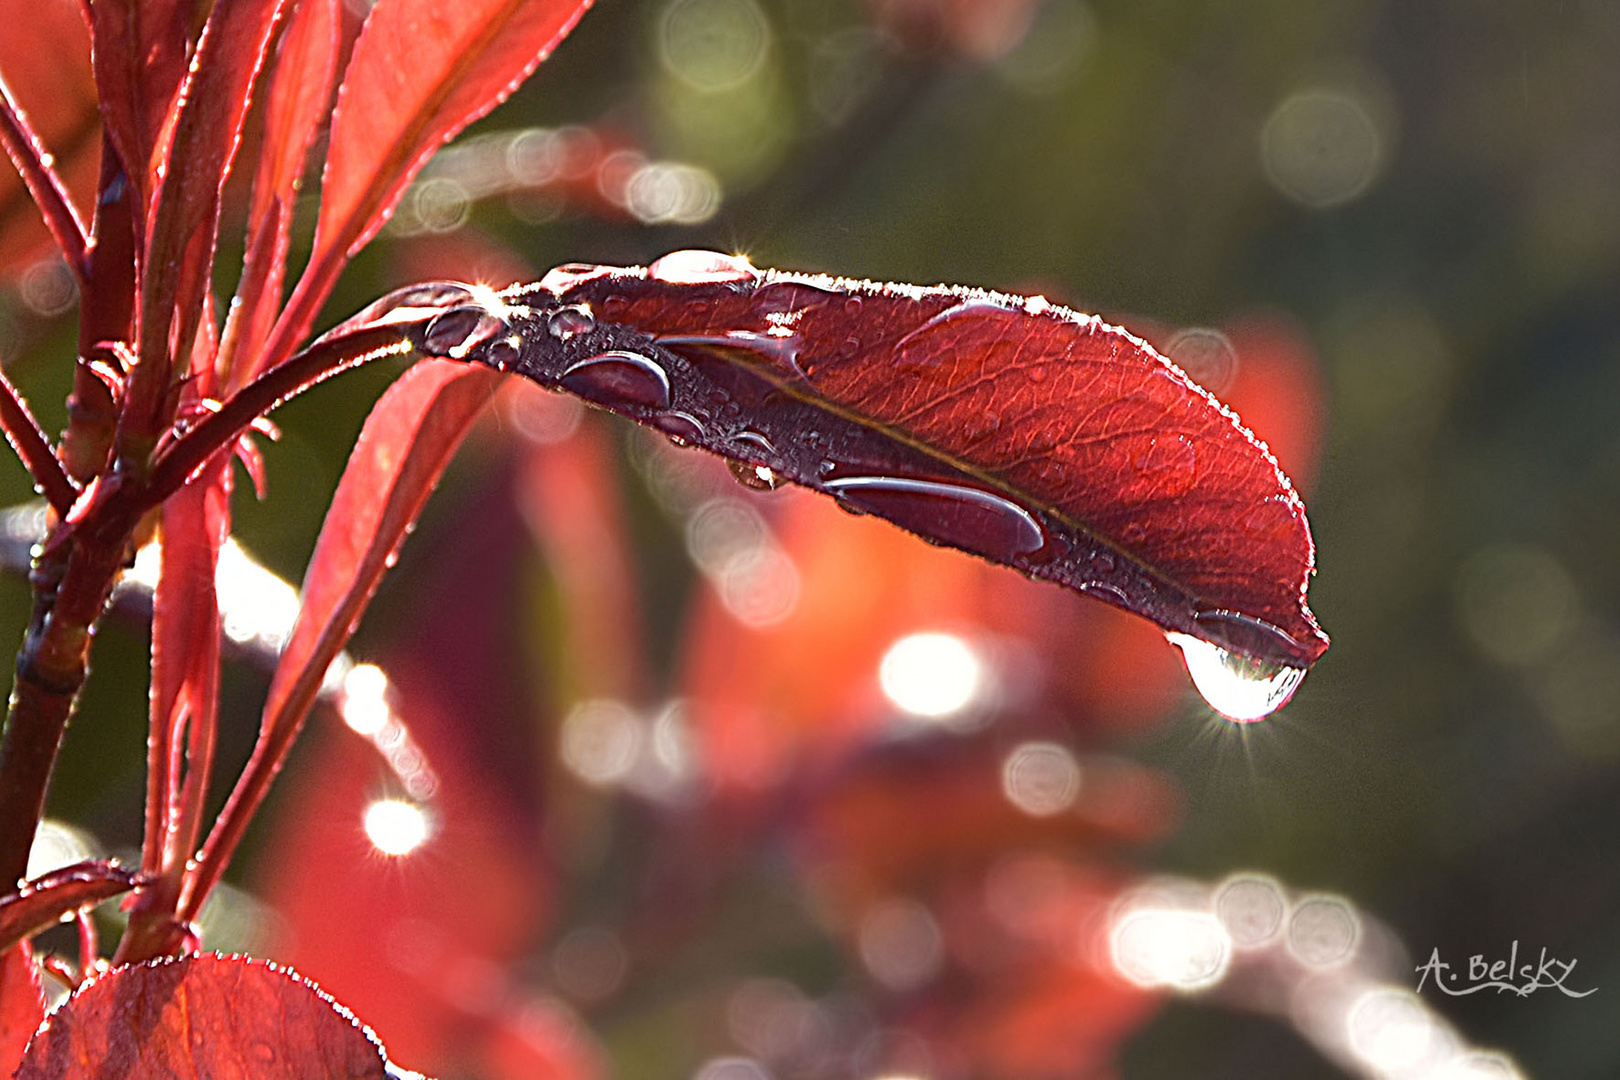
203,1016
1009,428
45,900
140,52
185,660
300,98
22,1004
420,72
185,219
407,441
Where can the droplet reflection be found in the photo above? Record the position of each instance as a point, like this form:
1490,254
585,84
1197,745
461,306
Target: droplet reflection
1240,688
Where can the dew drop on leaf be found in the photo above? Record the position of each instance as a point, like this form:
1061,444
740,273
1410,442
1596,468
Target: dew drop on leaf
701,267
568,322
502,353
458,331
1238,687
973,520
682,428
617,378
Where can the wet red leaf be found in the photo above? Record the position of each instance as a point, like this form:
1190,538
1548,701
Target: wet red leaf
420,72
1004,426
22,1004
203,1016
48,898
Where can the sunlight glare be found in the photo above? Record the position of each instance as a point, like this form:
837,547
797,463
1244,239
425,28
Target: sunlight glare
396,827
931,675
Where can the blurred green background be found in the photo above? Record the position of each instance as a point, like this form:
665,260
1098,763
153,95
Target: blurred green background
1428,188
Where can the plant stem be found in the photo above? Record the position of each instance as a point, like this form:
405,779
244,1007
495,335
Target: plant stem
32,161
23,433
219,430
72,580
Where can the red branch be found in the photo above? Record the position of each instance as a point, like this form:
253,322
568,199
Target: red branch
34,163
24,434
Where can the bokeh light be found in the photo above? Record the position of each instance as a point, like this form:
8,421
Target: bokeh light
396,827
932,675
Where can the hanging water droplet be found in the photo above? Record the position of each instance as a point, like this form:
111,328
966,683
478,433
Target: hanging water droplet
503,353
701,267
969,518
755,477
458,331
619,380
1239,687
682,428
568,322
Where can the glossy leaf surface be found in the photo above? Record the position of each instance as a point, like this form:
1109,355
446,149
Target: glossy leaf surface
203,1016
1007,427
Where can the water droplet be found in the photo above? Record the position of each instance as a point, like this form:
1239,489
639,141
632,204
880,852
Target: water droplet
682,428
755,441
1166,469
974,520
1054,474
503,353
981,426
614,306
701,267
263,1051
852,306
620,380
755,477
775,350
428,294
1239,687
559,279
458,331
850,347
567,322
731,409
825,468
1043,442
786,297
1037,373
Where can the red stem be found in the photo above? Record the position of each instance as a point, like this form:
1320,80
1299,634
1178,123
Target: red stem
34,163
221,429
24,434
